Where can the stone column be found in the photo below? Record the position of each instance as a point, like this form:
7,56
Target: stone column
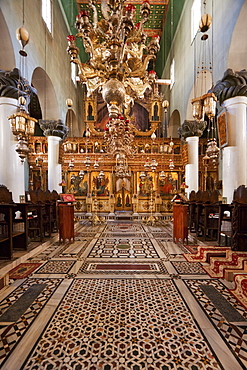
55,131
191,131
54,168
231,93
12,170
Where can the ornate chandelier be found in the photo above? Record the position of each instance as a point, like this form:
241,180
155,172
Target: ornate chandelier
121,168
22,126
119,136
117,65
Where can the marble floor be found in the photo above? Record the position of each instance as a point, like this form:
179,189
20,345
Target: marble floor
122,296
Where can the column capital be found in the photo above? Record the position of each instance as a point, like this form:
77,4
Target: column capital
232,84
13,85
191,128
54,128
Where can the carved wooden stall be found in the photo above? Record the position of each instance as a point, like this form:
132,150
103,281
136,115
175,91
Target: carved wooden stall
204,209
239,217
13,225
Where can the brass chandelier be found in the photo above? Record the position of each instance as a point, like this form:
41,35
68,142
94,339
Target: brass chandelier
117,64
119,136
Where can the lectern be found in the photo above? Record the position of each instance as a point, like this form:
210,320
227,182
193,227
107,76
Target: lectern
66,219
180,222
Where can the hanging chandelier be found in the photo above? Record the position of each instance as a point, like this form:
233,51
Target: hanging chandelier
22,126
117,65
205,104
121,168
119,136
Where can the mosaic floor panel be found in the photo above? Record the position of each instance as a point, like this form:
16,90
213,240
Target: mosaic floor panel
122,324
120,304
124,227
159,235
234,333
118,268
74,250
184,267
11,333
125,247
120,235
85,234
55,267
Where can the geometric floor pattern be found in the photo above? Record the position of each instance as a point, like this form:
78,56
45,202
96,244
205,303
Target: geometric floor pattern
11,333
120,322
121,296
123,247
184,267
235,333
55,267
118,268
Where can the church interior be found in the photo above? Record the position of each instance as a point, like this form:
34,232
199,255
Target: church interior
123,185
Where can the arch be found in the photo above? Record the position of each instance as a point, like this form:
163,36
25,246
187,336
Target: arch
7,56
72,123
238,46
46,93
174,124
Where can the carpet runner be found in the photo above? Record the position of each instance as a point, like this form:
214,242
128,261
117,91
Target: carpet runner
233,260
240,290
204,252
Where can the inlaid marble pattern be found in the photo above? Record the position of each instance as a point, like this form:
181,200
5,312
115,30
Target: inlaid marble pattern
234,333
11,333
122,248
159,235
75,249
124,227
92,267
184,267
108,314
122,324
56,267
85,234
87,227
125,234
164,250
53,249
